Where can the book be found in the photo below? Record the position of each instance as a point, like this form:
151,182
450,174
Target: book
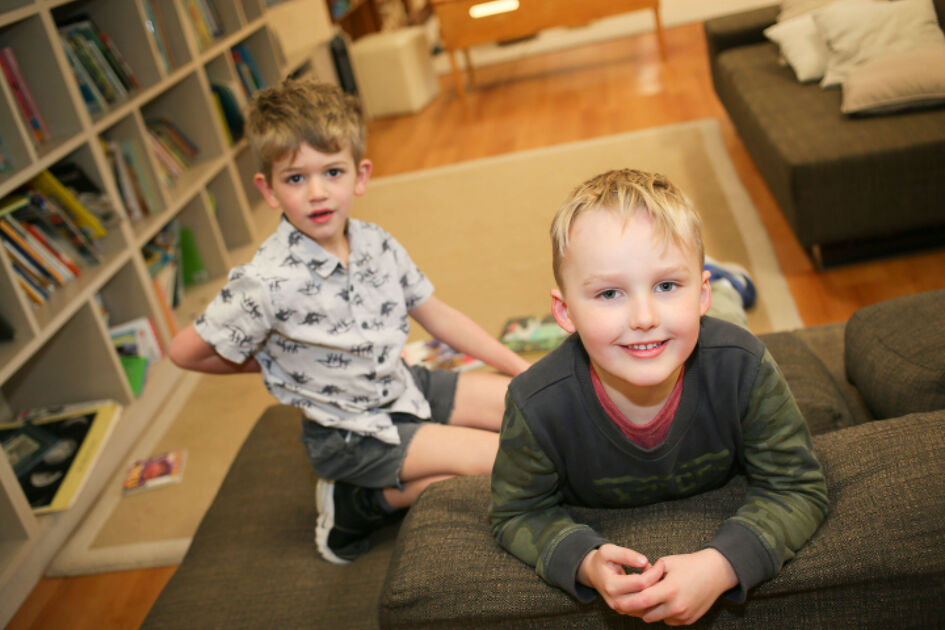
25,447
136,371
94,101
47,184
81,431
139,174
436,355
23,96
155,26
137,337
532,334
127,189
154,472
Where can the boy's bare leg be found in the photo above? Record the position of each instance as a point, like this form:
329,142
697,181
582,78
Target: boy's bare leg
479,401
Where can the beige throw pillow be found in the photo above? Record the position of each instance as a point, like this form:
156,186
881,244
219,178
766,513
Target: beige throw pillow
801,46
792,8
897,81
856,32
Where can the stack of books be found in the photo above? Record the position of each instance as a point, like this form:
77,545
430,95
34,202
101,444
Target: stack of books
174,151
103,75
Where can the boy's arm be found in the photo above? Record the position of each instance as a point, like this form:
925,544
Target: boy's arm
527,516
461,333
787,496
189,351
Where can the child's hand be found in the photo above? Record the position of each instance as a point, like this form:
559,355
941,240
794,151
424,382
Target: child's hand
603,570
691,583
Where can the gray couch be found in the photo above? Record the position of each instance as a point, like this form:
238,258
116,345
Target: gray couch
848,186
872,390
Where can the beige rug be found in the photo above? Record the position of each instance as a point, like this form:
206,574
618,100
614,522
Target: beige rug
480,231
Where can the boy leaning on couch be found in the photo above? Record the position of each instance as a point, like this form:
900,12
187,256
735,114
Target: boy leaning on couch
650,400
322,311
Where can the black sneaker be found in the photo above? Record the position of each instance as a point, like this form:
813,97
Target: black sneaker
344,524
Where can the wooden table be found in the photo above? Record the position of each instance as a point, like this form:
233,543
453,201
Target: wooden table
460,30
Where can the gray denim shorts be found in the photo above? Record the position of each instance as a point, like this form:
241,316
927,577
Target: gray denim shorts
342,455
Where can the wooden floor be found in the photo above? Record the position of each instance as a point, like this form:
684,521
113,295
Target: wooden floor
592,91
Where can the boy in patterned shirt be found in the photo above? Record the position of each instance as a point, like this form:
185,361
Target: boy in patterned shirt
650,400
322,311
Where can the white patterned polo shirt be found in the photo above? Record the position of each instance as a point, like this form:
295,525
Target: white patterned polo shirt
328,338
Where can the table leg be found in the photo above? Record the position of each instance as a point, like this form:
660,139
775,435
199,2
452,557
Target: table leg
659,33
469,68
457,75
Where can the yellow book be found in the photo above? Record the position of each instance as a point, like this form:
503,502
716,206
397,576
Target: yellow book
77,434
47,184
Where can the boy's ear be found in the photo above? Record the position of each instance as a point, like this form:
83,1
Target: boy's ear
559,308
705,295
364,174
260,180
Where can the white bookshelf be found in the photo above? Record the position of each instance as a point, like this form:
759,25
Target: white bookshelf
61,352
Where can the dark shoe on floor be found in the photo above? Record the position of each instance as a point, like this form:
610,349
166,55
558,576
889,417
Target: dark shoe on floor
737,276
344,523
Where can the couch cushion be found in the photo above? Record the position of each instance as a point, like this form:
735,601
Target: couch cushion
855,32
252,563
818,397
876,562
891,83
895,354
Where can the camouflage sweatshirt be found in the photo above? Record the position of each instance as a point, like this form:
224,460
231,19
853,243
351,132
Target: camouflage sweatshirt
736,416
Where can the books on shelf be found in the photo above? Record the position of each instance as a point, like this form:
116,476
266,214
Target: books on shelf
532,334
174,151
136,342
206,20
23,96
162,257
155,25
436,355
154,472
247,69
53,482
49,186
134,187
100,69
229,105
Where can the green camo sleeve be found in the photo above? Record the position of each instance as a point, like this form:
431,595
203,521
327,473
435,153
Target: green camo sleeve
787,496
526,515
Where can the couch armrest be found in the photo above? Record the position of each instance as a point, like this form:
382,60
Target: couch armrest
738,29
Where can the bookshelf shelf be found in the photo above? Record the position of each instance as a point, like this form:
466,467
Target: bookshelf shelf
61,351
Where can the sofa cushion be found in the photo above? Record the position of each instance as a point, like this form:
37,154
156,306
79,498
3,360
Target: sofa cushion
895,354
876,561
818,397
857,32
801,45
897,81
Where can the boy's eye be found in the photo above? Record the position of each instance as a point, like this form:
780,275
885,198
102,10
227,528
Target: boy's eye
663,287
293,179
608,294
334,172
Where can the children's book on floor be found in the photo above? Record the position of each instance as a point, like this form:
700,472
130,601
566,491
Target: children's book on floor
436,355
53,449
154,472
532,334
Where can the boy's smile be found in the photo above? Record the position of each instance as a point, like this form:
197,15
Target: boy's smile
636,304
315,191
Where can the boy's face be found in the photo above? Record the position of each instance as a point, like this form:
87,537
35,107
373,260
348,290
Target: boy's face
315,191
635,303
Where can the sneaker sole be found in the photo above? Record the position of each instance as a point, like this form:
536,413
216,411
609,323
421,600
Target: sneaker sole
326,521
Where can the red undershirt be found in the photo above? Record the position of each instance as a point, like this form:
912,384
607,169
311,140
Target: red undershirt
644,435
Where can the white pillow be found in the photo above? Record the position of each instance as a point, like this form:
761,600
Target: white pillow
801,46
857,32
897,81
792,8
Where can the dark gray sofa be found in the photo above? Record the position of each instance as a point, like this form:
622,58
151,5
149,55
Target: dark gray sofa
848,186
873,391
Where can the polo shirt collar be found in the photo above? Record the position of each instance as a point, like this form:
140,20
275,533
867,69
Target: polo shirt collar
316,258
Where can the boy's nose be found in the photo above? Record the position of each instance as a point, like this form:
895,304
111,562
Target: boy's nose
642,314
316,188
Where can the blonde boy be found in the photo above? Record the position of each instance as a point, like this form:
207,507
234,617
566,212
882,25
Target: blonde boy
650,400
322,311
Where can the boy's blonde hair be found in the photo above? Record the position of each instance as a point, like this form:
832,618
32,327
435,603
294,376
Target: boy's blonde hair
300,111
625,193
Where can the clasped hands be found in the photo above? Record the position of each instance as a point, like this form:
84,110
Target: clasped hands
677,590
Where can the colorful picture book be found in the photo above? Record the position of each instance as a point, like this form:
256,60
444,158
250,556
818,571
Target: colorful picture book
23,95
136,342
101,72
154,472
56,467
172,149
436,355
532,334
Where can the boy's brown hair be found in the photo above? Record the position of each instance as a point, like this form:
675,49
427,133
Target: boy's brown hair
626,192
298,111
